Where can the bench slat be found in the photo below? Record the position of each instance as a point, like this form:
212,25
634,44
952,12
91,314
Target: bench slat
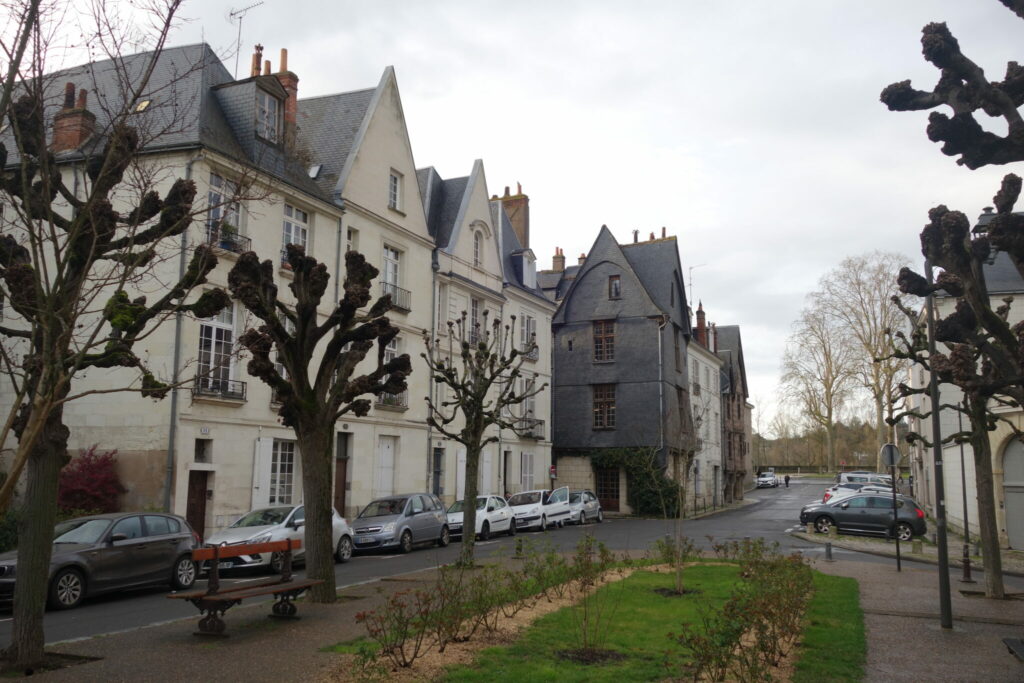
241,592
226,551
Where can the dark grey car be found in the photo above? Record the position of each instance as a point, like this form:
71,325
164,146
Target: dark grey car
102,553
868,513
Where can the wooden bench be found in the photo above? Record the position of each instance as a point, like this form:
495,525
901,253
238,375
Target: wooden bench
215,601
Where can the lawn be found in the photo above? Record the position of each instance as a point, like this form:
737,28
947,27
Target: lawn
834,645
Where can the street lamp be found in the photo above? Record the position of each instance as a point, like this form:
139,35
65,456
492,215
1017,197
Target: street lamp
945,606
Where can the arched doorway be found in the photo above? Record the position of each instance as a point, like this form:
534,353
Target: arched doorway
1013,493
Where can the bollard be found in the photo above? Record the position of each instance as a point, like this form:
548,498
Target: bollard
810,527
917,546
967,565
828,552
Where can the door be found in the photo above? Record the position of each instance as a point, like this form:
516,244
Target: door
607,484
1013,493
385,483
195,506
341,472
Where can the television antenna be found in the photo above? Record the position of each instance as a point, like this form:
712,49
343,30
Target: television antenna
689,285
240,14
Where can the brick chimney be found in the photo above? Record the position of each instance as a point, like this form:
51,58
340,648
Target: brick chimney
290,82
702,330
257,57
583,259
73,124
636,236
714,337
517,207
558,261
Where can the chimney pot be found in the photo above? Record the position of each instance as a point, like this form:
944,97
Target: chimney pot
558,262
702,330
257,56
69,95
284,59
506,192
519,187
663,232
636,236
583,258
266,67
652,236
83,95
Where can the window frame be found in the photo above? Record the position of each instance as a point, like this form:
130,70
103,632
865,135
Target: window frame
295,222
478,248
281,449
603,406
210,369
395,183
614,287
264,113
604,341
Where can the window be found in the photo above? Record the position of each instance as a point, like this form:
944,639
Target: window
391,262
282,472
395,191
478,248
351,240
438,468
526,471
527,332
296,229
129,526
158,525
391,350
222,218
614,287
268,116
604,406
604,340
216,340
475,331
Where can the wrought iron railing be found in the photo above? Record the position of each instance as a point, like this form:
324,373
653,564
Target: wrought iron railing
218,388
227,239
531,354
401,299
393,400
530,428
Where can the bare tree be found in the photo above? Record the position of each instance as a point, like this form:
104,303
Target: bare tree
818,371
72,255
310,365
858,293
480,367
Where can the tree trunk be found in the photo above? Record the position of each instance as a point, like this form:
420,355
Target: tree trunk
35,542
830,447
316,495
880,431
469,504
989,531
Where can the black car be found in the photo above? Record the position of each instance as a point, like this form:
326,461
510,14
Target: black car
869,513
102,553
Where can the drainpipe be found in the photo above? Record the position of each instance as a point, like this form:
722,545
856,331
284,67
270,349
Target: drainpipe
661,387
172,436
435,268
340,255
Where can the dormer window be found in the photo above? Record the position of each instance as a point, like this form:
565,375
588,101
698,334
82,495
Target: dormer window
478,248
395,190
268,116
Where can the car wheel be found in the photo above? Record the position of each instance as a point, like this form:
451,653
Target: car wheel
343,553
67,589
512,527
405,543
904,532
184,575
600,516
823,524
485,531
582,519
445,538
543,523
277,563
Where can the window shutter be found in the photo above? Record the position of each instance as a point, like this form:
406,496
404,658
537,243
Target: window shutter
261,473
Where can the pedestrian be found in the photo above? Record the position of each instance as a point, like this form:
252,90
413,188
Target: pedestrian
786,479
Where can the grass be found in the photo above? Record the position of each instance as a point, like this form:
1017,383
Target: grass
639,630
833,647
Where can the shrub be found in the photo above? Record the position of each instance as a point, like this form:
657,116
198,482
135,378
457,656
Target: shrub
401,626
90,482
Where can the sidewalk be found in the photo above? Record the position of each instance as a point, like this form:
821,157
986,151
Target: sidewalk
905,641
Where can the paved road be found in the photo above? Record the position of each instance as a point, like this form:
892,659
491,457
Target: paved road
775,512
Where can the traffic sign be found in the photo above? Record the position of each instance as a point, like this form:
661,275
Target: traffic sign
891,455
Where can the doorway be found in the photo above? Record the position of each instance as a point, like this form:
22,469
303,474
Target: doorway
385,484
1013,493
195,507
607,485
341,472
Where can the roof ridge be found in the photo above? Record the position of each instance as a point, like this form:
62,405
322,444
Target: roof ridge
656,239
336,94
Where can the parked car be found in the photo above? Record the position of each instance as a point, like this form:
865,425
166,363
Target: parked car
402,522
767,480
584,506
102,553
843,490
867,513
863,477
493,515
540,508
279,523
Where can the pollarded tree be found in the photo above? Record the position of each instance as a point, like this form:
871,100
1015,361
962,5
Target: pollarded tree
480,367
80,232
319,356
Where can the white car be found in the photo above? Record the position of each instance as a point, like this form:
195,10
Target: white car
493,515
767,480
838,491
584,507
541,508
278,524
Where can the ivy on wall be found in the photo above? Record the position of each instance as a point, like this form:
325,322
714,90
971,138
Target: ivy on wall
649,491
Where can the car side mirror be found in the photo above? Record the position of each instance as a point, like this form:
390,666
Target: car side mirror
845,505
114,538
490,508
297,523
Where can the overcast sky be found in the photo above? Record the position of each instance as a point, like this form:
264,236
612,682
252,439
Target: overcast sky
751,130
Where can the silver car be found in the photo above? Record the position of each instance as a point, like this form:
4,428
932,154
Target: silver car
584,507
278,524
401,522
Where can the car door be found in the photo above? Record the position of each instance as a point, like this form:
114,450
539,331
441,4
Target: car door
880,518
854,514
416,518
121,562
558,505
295,529
162,549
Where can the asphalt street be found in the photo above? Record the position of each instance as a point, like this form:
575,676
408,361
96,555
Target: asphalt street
770,515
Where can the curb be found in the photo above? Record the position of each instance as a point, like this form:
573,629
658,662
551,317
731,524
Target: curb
907,556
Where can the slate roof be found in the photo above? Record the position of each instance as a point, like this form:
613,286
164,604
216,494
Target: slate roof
730,350
189,91
328,127
656,263
511,246
556,283
442,200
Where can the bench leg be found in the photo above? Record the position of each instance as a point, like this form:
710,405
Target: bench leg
212,624
284,608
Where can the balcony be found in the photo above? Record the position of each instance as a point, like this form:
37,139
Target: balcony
210,387
227,238
696,389
393,401
401,299
533,354
530,428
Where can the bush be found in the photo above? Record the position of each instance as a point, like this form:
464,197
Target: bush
90,482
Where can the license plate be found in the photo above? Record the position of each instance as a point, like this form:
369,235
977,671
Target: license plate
360,541
225,565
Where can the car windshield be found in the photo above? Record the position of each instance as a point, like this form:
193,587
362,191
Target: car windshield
385,507
264,517
459,505
527,498
80,530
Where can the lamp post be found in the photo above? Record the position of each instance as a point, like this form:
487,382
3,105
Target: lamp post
945,605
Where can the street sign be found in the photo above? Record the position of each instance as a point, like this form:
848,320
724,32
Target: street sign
891,455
